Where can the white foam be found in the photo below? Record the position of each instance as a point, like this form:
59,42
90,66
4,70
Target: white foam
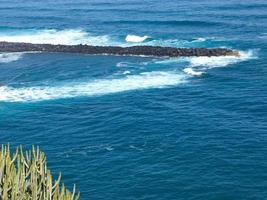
135,38
166,43
191,72
92,88
200,40
204,63
179,43
126,72
10,57
79,36
52,36
220,61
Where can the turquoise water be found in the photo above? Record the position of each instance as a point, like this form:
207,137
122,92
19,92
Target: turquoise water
141,127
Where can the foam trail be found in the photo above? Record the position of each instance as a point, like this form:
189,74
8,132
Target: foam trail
135,38
52,36
98,87
10,57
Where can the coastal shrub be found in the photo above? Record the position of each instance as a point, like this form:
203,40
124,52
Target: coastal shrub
25,176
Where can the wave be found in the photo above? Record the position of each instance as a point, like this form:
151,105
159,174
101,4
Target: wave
144,80
200,39
180,43
190,71
135,38
79,36
10,57
52,36
263,36
126,72
203,63
221,61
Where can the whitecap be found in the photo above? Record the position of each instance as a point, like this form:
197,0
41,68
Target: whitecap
126,72
200,40
144,80
191,72
135,38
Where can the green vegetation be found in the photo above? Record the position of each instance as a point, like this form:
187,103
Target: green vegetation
24,176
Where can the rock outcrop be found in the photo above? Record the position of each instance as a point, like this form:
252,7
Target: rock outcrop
115,50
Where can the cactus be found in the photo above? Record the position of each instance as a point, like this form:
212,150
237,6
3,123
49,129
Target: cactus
25,176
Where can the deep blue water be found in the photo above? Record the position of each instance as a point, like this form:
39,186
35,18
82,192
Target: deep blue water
141,127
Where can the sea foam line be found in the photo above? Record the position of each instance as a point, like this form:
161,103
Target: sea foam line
92,88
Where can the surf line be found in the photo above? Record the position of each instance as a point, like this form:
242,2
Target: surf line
156,51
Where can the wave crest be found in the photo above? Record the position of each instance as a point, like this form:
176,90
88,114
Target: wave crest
192,72
135,38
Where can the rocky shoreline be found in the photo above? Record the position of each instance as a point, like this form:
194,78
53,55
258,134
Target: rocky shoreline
115,50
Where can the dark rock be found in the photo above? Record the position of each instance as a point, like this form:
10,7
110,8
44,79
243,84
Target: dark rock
114,50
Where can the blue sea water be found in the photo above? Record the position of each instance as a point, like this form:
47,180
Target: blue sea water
141,127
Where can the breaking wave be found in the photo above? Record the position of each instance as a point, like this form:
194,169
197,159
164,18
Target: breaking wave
202,64
79,36
192,72
52,36
196,66
221,61
135,38
144,80
10,57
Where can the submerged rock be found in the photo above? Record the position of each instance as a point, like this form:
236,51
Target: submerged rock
115,50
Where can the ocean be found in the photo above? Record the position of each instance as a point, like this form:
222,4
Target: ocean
122,127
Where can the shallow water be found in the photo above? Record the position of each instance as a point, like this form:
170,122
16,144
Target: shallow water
141,127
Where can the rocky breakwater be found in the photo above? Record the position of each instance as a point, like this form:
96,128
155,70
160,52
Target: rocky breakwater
115,50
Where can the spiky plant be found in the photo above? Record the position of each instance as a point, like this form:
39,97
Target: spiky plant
24,176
